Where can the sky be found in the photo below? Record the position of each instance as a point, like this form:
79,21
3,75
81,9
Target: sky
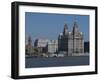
49,26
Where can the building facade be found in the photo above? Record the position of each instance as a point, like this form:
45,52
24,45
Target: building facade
41,44
63,40
71,42
46,46
52,46
29,47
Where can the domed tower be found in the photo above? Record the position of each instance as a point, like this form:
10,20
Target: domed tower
63,40
76,29
65,31
78,42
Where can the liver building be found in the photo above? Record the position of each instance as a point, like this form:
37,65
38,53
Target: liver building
72,43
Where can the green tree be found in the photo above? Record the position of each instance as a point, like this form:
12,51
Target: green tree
76,51
36,50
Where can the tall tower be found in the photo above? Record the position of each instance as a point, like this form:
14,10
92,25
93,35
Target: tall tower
63,40
65,31
29,41
29,47
75,28
78,42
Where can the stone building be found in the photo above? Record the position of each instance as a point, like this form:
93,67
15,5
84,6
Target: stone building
52,46
46,46
29,47
41,44
63,40
71,42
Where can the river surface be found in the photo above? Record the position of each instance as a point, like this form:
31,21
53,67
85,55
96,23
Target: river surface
33,62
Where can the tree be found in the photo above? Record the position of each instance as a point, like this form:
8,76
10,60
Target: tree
36,50
76,51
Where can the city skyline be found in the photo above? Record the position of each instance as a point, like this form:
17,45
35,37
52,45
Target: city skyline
49,26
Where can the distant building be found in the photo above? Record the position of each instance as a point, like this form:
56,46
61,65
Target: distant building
71,42
86,47
41,44
68,43
52,46
63,40
44,45
29,47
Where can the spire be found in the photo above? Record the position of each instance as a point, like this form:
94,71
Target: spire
65,31
29,40
75,27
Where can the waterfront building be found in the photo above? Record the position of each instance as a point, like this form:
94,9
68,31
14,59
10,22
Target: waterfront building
46,46
63,40
29,47
52,46
71,42
41,44
86,46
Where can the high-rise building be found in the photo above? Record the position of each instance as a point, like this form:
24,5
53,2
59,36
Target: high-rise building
63,40
71,42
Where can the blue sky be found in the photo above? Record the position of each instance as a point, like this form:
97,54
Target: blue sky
49,26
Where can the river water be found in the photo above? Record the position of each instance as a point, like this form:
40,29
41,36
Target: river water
33,62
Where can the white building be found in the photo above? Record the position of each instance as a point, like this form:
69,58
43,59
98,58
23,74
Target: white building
44,45
41,42
52,46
